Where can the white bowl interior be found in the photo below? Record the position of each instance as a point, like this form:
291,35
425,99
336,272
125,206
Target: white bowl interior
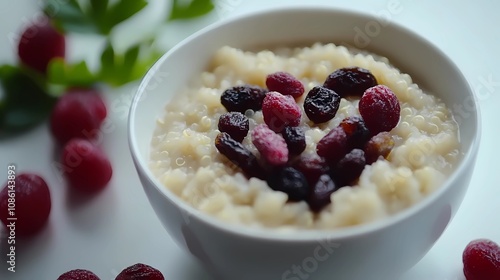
428,66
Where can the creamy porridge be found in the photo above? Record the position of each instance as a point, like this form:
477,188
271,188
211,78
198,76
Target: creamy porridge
185,159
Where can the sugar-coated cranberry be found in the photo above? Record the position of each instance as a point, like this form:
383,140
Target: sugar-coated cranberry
280,111
39,44
78,274
32,205
271,146
321,104
235,124
290,181
79,113
285,83
242,98
140,271
86,167
380,109
350,81
481,259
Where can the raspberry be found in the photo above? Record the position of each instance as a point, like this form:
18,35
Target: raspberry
78,274
321,104
356,131
320,193
235,124
349,167
351,81
285,83
86,167
290,181
140,272
295,139
378,146
333,146
239,155
312,167
481,260
78,114
380,109
280,110
33,203
242,98
272,146
39,44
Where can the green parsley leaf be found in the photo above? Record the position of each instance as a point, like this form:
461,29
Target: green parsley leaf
70,75
194,9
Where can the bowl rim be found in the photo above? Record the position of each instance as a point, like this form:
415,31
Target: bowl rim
306,235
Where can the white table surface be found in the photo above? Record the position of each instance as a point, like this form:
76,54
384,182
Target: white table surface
118,227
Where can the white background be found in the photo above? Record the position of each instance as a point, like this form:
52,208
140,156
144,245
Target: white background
118,228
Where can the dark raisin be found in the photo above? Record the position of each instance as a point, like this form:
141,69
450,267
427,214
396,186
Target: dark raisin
295,139
333,146
239,155
235,124
320,193
290,181
321,104
349,167
380,109
312,166
378,146
242,98
356,131
285,83
351,81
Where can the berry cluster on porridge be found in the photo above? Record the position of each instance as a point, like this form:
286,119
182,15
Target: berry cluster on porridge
312,137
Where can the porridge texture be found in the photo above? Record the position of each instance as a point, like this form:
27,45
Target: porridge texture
185,159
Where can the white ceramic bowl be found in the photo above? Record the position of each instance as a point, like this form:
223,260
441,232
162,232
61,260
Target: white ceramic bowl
379,250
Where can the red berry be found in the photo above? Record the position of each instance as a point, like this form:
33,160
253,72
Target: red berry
272,146
333,146
78,114
481,260
140,272
235,124
285,83
86,167
78,274
280,110
40,43
380,109
351,81
32,203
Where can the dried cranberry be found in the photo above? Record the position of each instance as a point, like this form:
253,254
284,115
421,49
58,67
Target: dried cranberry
78,274
320,193
32,203
285,83
272,146
239,155
312,166
79,113
235,124
321,104
86,166
290,181
140,271
333,146
350,81
356,131
242,98
280,110
349,167
380,109
481,260
378,146
295,139
39,44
